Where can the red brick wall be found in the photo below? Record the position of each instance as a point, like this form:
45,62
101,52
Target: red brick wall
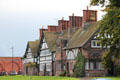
62,54
6,64
60,60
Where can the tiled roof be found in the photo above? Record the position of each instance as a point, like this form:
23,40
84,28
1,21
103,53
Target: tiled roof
80,37
51,38
33,45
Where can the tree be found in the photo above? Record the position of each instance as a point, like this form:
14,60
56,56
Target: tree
110,31
107,3
79,67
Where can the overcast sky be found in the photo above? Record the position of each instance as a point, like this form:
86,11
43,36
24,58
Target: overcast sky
20,20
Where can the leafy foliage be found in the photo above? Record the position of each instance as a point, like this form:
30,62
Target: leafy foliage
118,69
108,3
107,63
79,67
30,64
110,31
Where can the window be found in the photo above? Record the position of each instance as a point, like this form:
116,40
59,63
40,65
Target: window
42,66
95,65
98,44
64,67
91,65
95,44
48,67
99,66
71,65
86,66
44,52
58,66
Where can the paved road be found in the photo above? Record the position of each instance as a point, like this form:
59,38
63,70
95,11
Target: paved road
86,78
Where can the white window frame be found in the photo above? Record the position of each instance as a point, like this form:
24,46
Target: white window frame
96,44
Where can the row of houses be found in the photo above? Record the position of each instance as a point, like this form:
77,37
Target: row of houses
58,46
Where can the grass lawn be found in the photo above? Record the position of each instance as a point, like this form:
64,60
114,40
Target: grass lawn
35,78
112,78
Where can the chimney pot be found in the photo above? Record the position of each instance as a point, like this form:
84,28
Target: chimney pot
72,14
87,7
42,27
62,18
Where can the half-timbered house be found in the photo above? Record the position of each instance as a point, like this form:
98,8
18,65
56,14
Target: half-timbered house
46,53
30,57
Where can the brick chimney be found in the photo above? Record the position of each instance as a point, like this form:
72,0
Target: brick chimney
52,28
89,15
75,21
63,25
41,31
87,7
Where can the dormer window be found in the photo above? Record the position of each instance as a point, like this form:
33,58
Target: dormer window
95,44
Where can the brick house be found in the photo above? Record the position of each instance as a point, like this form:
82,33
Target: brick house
9,65
85,40
46,53
30,57
59,46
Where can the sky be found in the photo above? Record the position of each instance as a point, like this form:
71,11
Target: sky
20,20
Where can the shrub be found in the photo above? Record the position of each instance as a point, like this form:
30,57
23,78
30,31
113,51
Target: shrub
118,69
63,73
79,67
